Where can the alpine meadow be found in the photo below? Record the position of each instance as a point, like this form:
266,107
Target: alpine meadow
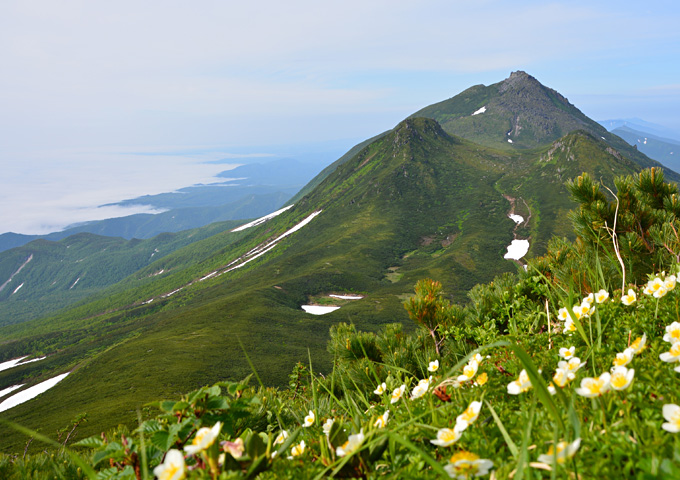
440,351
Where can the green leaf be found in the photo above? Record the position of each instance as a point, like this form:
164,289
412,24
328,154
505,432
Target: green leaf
508,441
337,436
538,384
258,466
255,446
161,440
217,403
90,442
179,406
436,466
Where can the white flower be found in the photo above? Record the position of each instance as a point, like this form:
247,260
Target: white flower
309,419
669,282
567,353
469,415
563,313
639,343
464,465
630,298
621,378
563,376
397,394
673,355
624,358
672,333
589,299
297,450
569,326
281,437
578,311
601,296
420,389
172,468
594,387
351,445
434,366
660,292
671,413
653,286
328,424
382,420
203,439
469,371
447,436
381,389
563,452
573,365
521,385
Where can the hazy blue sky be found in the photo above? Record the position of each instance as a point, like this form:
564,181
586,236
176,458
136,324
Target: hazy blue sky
83,82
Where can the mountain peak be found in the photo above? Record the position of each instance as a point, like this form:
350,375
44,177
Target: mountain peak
517,80
516,113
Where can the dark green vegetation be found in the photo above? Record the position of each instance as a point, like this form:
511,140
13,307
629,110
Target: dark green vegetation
415,202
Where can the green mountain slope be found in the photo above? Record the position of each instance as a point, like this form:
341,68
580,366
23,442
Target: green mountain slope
414,202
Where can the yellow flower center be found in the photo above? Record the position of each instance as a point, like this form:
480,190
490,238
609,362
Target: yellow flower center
448,435
595,386
468,456
468,415
675,333
675,349
619,380
198,439
169,472
560,448
482,378
636,344
675,419
466,468
469,371
560,378
621,359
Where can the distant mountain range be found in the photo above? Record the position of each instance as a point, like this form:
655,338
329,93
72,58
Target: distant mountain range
654,141
430,198
248,191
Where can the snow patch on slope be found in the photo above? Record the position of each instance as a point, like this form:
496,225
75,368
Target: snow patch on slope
31,393
2,287
318,309
517,249
261,219
481,110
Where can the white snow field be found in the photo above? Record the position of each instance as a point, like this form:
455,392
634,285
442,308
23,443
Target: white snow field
318,309
517,249
30,393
